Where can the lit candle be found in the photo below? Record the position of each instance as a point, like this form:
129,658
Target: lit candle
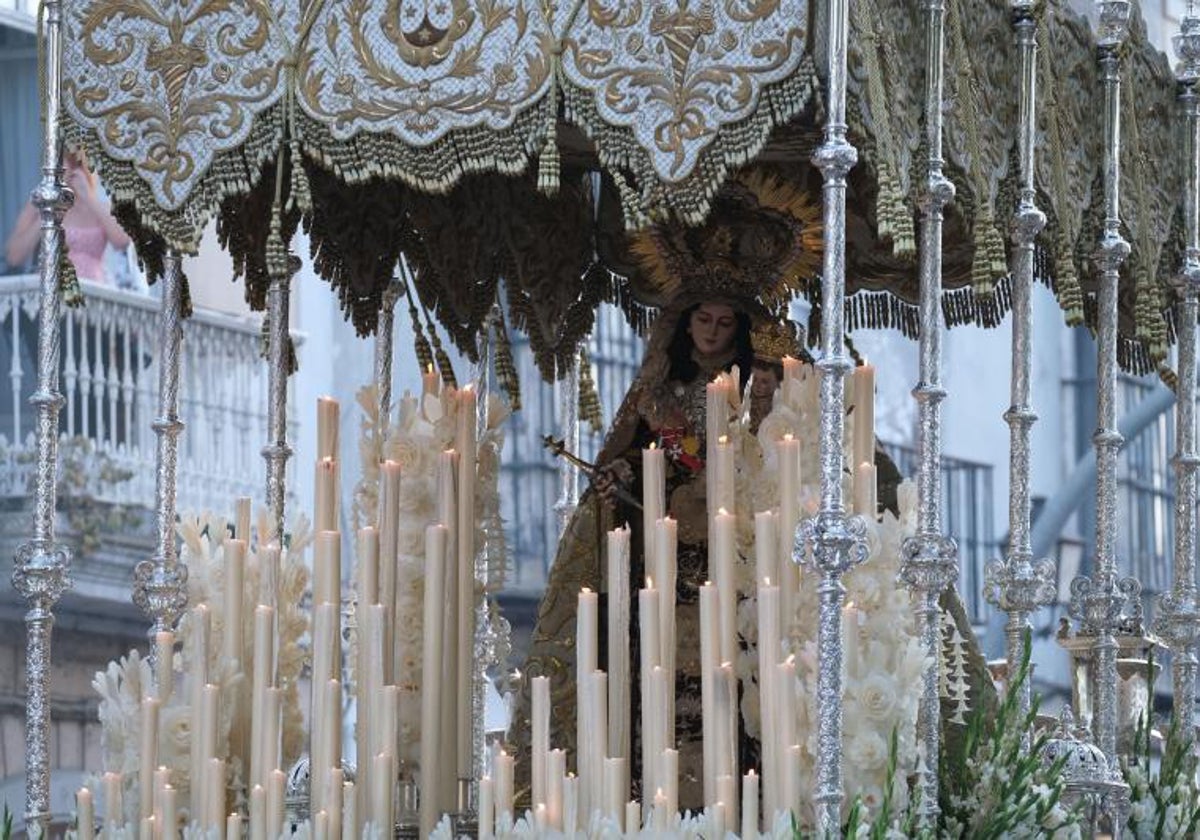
633,816
653,499
447,514
710,646
616,786
328,419
556,771
148,756
586,633
618,643
164,664
233,827
792,778
717,812
486,808
383,806
789,517
262,679
659,818
666,538
586,646
113,815
570,805
791,368
465,694
670,780
197,671
504,786
214,794
209,795
275,789
389,533
865,502
327,568
325,500
436,537
785,686
598,737
430,381
651,705
85,822
749,806
540,753
726,529
320,825
337,780
864,414
325,637
235,584
766,539
725,759
258,813
725,487
768,658
146,829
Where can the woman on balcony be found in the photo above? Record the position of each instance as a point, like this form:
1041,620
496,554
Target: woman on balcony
90,227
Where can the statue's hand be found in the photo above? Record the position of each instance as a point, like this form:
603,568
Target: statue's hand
613,474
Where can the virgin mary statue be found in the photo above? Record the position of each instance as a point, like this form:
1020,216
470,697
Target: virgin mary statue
722,289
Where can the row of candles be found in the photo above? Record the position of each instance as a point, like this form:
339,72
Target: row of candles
568,802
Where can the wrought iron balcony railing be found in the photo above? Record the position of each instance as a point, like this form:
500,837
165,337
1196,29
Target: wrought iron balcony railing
109,378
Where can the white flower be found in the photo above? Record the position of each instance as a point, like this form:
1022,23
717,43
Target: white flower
877,697
867,749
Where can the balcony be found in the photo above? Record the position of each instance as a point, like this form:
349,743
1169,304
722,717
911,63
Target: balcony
109,379
19,14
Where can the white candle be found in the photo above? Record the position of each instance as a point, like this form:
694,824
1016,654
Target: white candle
864,414
241,528
235,584
325,636
725,487
618,643
669,776
785,687
325,501
465,694
148,756
164,664
368,577
328,420
789,517
486,809
447,514
586,658
540,753
261,679
791,368
556,771
436,537
214,794
792,778
749,806
327,568
383,805
209,715
648,626
718,812
258,813
768,658
504,785
586,633
233,827
389,531
653,499
766,542
633,816
275,790
272,752
350,825
336,793
146,829
727,731
666,575
320,825
85,822
570,805
268,570
710,646
197,671
113,814
333,741
723,575
616,787
598,737
430,381
865,493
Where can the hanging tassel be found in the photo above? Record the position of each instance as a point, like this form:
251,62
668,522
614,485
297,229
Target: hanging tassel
68,280
590,409
506,369
549,164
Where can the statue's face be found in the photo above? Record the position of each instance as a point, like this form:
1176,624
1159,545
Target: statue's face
765,382
712,328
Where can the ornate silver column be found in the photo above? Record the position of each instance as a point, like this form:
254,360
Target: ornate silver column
277,451
1019,585
384,333
42,568
1178,619
160,584
837,541
568,418
929,559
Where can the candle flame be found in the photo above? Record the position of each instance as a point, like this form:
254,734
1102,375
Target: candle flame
849,606
766,581
586,590
723,439
429,368
722,512
788,437
649,582
653,445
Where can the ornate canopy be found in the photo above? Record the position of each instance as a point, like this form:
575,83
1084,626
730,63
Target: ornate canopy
521,140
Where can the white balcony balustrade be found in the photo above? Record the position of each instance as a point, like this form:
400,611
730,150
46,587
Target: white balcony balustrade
109,378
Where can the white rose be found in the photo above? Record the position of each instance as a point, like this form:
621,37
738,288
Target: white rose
877,697
867,749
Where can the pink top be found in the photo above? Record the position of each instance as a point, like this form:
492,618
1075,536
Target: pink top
85,246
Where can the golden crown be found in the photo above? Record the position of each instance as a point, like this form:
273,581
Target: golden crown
773,340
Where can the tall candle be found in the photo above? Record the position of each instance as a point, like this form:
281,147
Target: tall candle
197,671
368,576
261,679
465,694
766,542
789,517
710,646
268,570
785,687
436,537
447,514
333,741
727,729
666,538
726,529
233,827
275,790
865,502
146,829
586,658
170,812
328,421
325,500
85,822
272,749
570,805
618,643
325,638
725,487
749,806
864,414
556,771
486,809
670,780
164,664
336,797
430,381
241,528
504,786
633,816
258,813
598,737
717,812
540,754
586,633
320,825
148,756
389,532
653,499
327,568
616,787
214,794
649,652
792,778
768,658
113,815
383,805
235,585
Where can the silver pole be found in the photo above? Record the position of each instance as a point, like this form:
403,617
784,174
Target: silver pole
837,541
42,567
1020,585
277,451
1178,620
384,333
568,418
930,559
160,584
